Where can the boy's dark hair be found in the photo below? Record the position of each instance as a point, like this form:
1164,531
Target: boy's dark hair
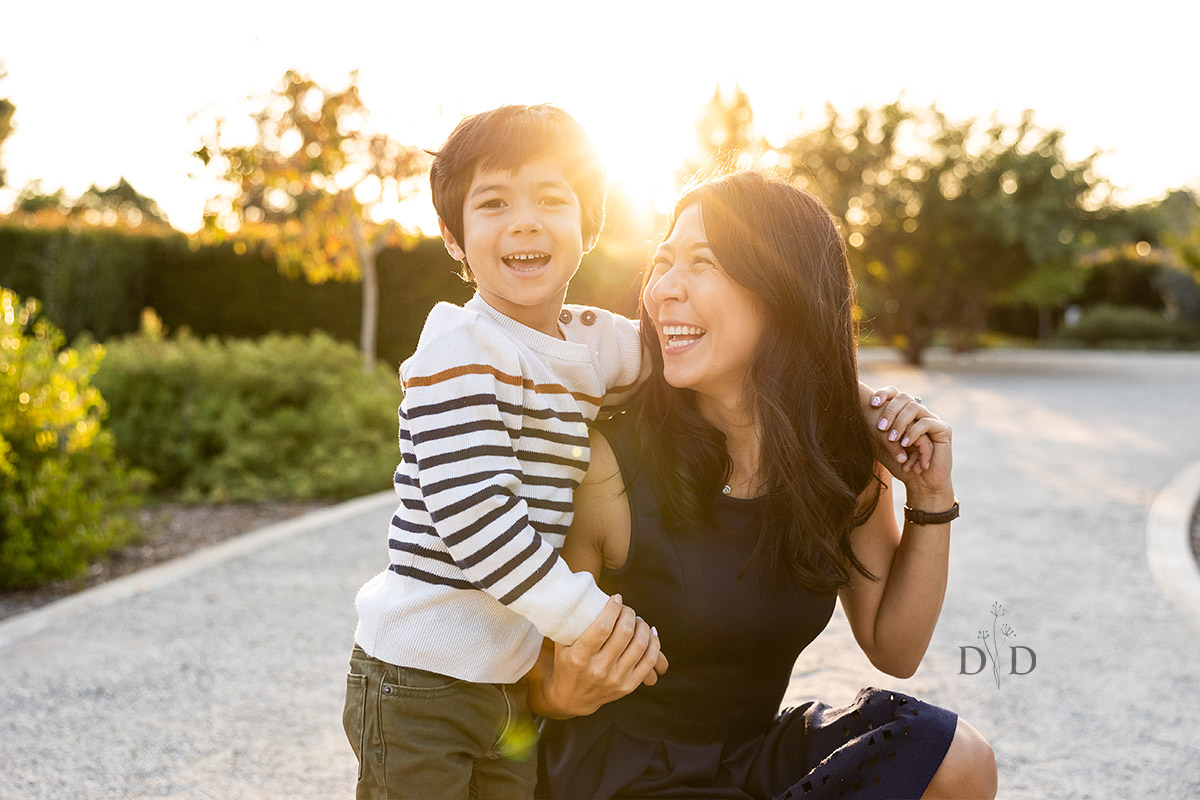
505,138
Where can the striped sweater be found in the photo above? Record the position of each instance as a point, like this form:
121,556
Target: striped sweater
493,441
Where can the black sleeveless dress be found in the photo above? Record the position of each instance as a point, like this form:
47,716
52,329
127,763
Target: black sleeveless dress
711,727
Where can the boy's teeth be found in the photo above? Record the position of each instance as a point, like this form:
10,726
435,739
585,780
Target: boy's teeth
526,262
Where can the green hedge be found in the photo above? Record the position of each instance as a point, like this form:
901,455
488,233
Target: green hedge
98,282
90,280
284,417
65,497
1116,325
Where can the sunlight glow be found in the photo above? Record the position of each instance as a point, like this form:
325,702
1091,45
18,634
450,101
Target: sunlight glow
634,74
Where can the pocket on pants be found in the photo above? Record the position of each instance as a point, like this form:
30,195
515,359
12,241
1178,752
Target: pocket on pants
354,715
412,682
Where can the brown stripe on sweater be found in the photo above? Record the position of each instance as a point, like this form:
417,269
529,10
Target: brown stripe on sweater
502,377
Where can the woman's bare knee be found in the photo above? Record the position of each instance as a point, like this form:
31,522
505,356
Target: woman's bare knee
968,770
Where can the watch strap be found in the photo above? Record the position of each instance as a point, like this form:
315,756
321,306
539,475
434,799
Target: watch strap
931,517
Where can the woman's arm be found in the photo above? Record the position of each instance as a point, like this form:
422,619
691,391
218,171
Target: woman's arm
619,651
893,618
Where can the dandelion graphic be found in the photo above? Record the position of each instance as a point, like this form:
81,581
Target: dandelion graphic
993,650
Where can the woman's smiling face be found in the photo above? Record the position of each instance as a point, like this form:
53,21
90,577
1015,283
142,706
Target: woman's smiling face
708,325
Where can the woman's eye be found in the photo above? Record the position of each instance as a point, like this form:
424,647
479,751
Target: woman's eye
554,201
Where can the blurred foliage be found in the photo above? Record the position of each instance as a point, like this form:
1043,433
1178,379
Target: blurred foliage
283,417
726,138
119,206
1117,326
1121,276
944,218
65,497
7,110
98,281
315,184
87,279
1172,224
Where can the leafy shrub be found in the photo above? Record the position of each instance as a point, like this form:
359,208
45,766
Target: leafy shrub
1107,324
283,417
64,496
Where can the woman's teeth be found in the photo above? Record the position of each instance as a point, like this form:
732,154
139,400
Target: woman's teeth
681,335
526,262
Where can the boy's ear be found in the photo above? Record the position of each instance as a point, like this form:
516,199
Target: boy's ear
590,243
456,252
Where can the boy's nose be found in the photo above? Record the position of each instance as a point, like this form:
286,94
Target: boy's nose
525,220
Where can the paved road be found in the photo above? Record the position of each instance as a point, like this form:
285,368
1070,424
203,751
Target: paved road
226,682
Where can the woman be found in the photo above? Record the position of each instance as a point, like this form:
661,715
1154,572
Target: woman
738,497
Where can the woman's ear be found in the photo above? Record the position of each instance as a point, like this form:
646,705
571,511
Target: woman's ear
590,243
452,247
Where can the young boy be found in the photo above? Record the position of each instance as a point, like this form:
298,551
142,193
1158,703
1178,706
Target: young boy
493,438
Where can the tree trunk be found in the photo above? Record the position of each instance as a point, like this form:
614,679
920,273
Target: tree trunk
367,255
1045,324
370,312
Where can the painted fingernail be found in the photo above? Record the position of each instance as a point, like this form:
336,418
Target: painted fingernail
883,424
654,631
901,457
893,436
904,442
876,402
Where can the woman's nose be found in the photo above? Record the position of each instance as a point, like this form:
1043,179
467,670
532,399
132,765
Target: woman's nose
667,286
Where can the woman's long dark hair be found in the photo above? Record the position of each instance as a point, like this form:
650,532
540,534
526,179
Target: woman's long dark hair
782,244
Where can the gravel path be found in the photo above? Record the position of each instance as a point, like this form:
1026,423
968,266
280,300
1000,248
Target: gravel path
227,681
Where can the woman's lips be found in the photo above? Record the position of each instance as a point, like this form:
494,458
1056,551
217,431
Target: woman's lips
680,338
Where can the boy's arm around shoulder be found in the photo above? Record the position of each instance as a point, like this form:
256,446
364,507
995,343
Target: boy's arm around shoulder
617,348
462,412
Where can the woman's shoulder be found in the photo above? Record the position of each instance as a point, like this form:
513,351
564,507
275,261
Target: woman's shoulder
619,433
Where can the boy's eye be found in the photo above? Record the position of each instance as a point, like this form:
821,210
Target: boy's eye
553,201
495,202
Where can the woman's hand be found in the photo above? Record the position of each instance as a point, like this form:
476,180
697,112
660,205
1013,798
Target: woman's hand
924,460
616,654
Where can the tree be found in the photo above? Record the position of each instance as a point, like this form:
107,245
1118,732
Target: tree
315,184
7,109
725,135
943,218
119,206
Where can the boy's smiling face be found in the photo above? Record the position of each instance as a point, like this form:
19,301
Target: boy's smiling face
522,241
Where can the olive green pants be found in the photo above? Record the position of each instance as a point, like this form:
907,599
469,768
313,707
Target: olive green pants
423,736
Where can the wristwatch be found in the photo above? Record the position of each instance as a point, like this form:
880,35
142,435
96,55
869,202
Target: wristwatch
931,517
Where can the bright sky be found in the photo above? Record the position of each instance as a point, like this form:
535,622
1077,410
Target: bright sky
104,90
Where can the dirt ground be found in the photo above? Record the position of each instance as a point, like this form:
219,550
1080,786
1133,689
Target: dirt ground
169,531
